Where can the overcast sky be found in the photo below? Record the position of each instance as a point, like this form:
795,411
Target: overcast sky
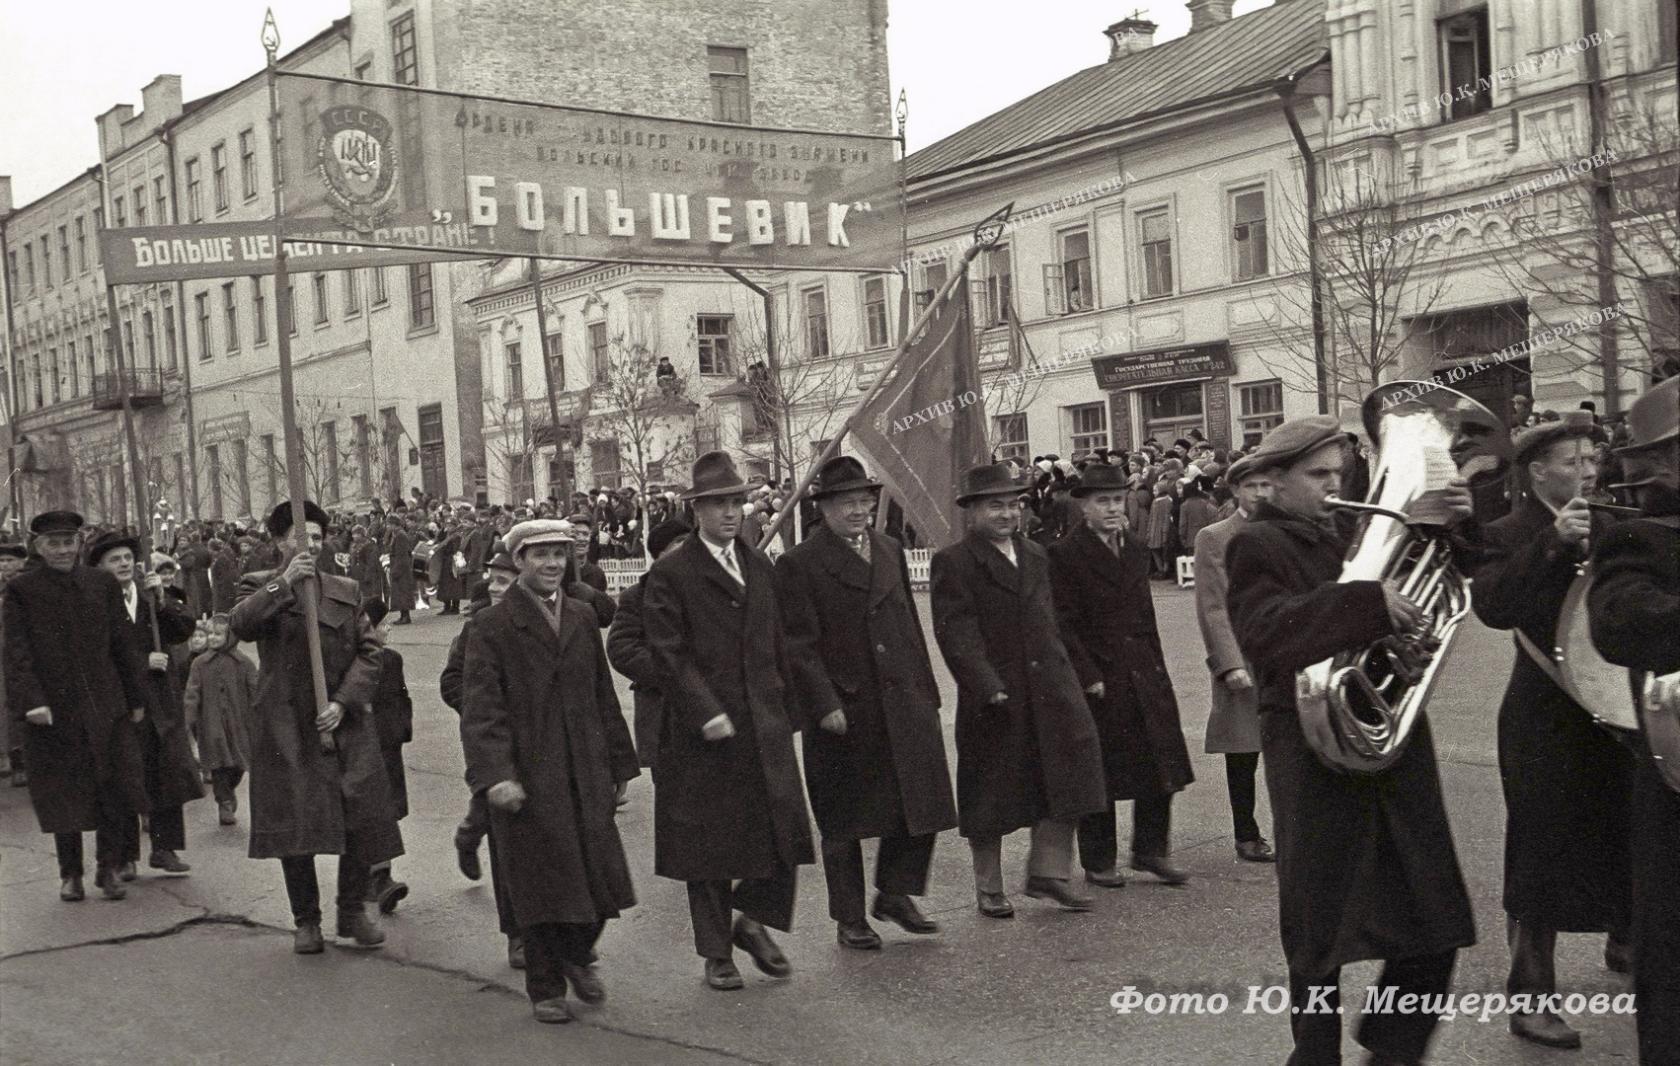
62,62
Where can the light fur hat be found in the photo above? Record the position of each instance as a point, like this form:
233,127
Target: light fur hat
537,531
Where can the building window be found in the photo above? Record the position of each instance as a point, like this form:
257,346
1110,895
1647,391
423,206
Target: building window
128,341
218,175
554,350
1172,411
1089,422
170,354
380,295
52,369
1667,32
46,263
1259,409
195,191
29,263
64,250
248,162
241,477
329,461
1076,270
1155,237
148,333
1010,432
999,296
1466,63
933,279
352,292
271,469
92,359
515,372
119,213
139,198
713,332
75,369
364,454
259,313
213,453
419,294
181,486
600,356
40,397
875,312
81,249
603,462
816,323
201,304
320,284
1248,234
290,308
731,101
405,61
12,270
230,317
160,195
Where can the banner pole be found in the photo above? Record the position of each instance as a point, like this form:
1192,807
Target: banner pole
142,505
308,590
986,235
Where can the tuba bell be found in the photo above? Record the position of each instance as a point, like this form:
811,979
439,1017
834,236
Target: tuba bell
1358,709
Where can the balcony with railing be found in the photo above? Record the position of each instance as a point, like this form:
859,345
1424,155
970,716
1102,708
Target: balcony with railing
145,389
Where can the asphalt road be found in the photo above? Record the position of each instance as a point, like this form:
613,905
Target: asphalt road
199,968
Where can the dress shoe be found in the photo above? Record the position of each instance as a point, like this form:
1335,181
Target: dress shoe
1055,888
167,861
752,938
1160,867
857,935
360,928
127,871
1378,1058
405,620
516,952
722,975
20,777
1105,878
995,905
306,939
70,889
466,857
552,1011
902,912
387,893
108,884
224,812
1545,1028
1255,851
585,982
1618,956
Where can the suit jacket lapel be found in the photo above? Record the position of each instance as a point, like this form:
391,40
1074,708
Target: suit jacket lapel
842,560
994,563
883,567
1104,563
707,565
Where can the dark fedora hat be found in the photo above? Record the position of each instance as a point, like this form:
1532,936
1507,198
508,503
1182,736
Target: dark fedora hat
714,475
279,521
841,474
55,522
106,543
993,479
1654,419
1099,477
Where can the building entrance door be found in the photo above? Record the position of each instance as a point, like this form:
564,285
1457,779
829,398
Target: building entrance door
1172,411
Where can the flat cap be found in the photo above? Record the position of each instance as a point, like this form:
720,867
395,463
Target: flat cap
1536,439
55,522
1292,440
1240,470
537,531
504,561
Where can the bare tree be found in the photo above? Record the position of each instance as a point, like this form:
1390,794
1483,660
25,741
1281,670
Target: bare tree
513,433
651,420
326,429
805,402
1010,389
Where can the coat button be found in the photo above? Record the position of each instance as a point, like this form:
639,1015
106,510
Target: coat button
882,648
1034,664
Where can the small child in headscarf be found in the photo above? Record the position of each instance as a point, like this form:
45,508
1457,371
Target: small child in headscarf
220,693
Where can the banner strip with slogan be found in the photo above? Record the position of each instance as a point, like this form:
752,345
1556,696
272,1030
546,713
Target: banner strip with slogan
139,255
403,167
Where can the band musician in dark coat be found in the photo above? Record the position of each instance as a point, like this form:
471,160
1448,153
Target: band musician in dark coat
874,746
1634,608
172,774
75,690
729,814
546,743
1366,864
1099,577
307,800
1567,781
1028,755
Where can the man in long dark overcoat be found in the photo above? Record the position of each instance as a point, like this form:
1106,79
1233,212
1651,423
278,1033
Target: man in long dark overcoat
364,565
1366,864
1568,782
874,746
75,691
729,814
307,800
546,743
1027,749
399,570
172,775
1634,608
1099,576
630,655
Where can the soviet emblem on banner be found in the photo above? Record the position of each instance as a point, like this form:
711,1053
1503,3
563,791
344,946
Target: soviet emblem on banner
357,165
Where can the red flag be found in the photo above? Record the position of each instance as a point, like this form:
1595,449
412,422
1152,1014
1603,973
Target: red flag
927,425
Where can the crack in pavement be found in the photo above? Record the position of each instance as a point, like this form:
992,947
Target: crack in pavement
206,918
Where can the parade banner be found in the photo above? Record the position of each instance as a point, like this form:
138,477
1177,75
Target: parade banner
139,255
411,168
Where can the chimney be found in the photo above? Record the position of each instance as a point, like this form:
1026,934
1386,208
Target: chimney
5,195
161,100
1129,35
111,125
1206,13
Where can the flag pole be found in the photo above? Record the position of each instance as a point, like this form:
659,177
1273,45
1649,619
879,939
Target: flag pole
986,236
288,398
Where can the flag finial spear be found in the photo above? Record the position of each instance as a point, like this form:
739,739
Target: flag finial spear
270,34
990,230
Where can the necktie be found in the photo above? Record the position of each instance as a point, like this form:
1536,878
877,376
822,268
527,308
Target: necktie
732,566
861,546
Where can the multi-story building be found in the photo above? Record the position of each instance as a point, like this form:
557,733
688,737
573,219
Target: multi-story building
1152,262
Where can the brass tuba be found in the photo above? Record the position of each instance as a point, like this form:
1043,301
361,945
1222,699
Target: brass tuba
1358,709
